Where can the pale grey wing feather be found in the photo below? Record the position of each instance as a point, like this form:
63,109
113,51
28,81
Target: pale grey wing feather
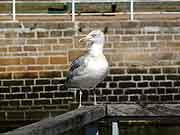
77,68
80,61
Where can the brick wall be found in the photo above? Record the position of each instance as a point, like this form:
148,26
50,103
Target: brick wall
144,58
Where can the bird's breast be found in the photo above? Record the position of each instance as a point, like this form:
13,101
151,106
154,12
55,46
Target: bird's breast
98,65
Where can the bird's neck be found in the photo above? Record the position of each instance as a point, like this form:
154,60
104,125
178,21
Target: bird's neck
96,49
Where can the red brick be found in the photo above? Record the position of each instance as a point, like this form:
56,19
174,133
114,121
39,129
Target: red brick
42,60
108,45
177,37
6,42
29,48
27,61
24,75
74,54
34,68
14,96
174,44
42,34
26,102
55,54
127,38
3,49
51,74
77,43
2,115
114,38
62,67
66,40
58,112
15,49
50,41
34,41
2,35
69,33
44,48
51,67
117,57
15,68
19,41
61,46
42,102
14,103
132,31
15,115
11,34
58,60
2,69
27,34
9,61
164,37
144,38
56,33
141,57
36,115
5,75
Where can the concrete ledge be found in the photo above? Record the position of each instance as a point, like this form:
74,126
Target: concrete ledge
157,110
60,124
168,113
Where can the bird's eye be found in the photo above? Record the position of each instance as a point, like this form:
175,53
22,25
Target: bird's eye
93,35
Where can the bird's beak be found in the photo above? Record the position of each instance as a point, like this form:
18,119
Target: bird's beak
82,39
87,38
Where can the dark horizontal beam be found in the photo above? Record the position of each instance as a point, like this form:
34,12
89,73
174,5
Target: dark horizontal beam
123,113
62,123
84,1
144,110
142,114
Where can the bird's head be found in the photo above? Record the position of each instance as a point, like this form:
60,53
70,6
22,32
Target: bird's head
95,36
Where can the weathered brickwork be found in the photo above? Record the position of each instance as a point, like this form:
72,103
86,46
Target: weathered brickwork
34,58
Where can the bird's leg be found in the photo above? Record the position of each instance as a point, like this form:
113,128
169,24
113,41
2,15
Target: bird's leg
75,96
95,102
80,98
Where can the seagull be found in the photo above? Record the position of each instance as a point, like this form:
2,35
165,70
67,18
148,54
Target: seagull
90,69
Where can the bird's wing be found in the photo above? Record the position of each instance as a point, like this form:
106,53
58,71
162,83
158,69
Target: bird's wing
77,67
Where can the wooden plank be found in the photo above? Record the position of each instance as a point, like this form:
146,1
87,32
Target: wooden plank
149,110
62,123
84,1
